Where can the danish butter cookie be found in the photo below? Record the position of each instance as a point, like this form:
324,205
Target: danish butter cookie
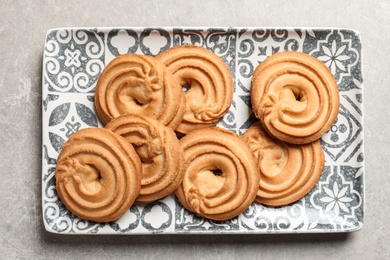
159,150
295,96
288,171
98,175
139,84
207,83
221,178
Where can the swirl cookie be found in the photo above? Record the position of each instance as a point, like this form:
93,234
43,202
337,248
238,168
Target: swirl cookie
207,83
98,175
159,150
288,172
295,96
221,178
138,84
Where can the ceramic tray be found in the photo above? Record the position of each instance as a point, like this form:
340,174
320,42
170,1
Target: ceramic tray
73,59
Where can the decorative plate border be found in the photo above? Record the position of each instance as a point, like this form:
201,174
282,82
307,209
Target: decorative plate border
73,59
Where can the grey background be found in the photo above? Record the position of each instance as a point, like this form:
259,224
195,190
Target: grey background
23,26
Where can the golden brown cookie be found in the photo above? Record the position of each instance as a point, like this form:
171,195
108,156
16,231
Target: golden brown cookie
138,84
221,178
207,82
159,151
288,171
98,175
295,96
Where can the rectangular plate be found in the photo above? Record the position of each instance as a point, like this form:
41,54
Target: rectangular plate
73,59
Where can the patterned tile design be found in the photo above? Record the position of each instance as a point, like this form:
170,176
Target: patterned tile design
74,59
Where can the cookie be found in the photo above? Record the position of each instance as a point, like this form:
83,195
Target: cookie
98,175
295,96
159,150
221,178
138,84
207,83
288,171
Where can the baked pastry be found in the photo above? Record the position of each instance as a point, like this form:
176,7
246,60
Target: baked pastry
295,96
221,178
288,171
138,84
98,175
207,83
159,150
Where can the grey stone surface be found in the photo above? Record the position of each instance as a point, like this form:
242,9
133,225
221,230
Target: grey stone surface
23,25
